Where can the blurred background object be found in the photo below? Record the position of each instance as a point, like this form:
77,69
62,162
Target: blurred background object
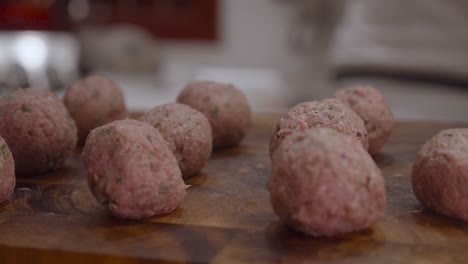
310,33
279,52
425,39
37,48
416,51
123,48
38,59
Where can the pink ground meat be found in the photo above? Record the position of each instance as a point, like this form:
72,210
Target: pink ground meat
370,104
440,173
330,113
7,171
131,170
323,183
224,105
38,129
188,133
94,101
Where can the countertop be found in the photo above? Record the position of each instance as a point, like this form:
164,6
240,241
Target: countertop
226,217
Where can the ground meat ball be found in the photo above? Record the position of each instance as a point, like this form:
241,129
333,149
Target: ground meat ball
38,129
131,170
325,184
7,171
188,133
440,173
371,106
94,101
331,113
224,105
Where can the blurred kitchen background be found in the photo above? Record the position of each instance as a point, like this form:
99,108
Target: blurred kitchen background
279,52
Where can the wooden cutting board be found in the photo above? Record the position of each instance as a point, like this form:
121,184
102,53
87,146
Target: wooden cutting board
226,217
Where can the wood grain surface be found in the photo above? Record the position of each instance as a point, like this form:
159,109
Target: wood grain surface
226,218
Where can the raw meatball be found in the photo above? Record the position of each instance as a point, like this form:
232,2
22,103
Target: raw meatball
38,129
331,113
7,171
440,173
131,171
188,133
94,101
370,105
224,105
323,183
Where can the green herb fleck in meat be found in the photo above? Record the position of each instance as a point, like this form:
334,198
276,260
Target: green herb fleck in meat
105,131
215,112
96,95
163,189
227,105
459,182
25,108
5,151
99,120
71,122
152,153
75,105
118,179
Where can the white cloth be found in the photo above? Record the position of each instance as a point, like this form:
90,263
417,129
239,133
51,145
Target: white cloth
410,36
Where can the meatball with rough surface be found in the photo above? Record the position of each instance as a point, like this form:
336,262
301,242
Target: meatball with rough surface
224,105
7,171
370,104
94,101
440,173
330,113
188,133
323,183
131,170
38,129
